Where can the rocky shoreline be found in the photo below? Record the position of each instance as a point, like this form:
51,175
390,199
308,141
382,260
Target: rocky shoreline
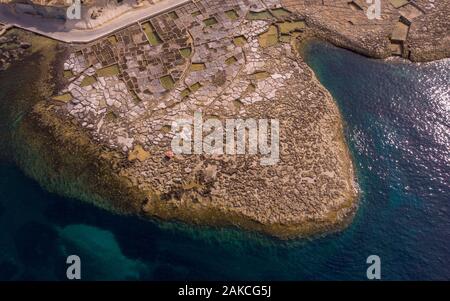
66,161
425,37
88,142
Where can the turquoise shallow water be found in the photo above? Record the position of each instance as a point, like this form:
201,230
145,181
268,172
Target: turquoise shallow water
397,119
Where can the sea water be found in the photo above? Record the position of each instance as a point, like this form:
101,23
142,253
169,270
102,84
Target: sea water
397,125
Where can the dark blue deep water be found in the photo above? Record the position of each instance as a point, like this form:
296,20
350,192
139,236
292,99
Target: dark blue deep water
397,117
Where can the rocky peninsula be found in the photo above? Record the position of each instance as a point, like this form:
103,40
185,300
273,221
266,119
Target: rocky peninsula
105,135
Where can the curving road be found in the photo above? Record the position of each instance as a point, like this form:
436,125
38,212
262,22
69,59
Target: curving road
56,29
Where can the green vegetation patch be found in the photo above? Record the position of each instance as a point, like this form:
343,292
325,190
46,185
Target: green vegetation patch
191,89
288,27
113,39
151,34
87,81
231,60
108,71
285,38
68,74
185,93
280,12
167,82
269,38
210,21
197,67
240,41
195,87
186,52
196,14
232,14
63,98
262,15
